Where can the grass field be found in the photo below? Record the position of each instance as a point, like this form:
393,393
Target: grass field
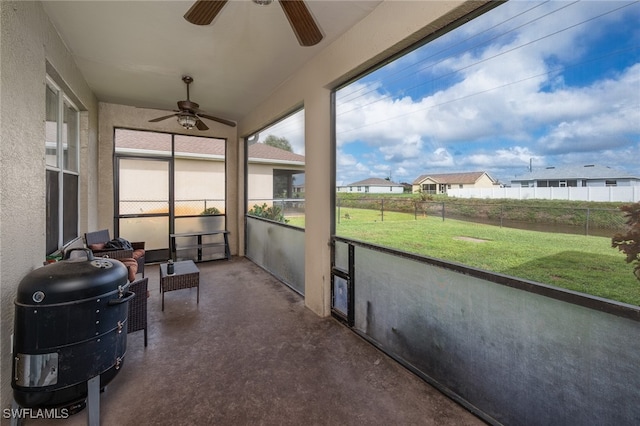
575,262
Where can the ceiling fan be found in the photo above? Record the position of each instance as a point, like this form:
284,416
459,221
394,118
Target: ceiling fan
305,28
189,113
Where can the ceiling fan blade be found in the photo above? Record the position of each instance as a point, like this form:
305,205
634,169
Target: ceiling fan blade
201,126
155,120
301,21
204,11
218,119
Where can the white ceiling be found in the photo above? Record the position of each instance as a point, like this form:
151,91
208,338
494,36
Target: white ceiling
136,52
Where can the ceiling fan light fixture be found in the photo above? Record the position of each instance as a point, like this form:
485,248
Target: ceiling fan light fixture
188,121
263,2
189,113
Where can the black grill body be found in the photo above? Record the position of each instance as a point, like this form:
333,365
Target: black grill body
70,326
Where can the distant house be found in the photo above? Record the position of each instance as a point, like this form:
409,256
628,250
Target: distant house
591,175
200,169
373,186
440,183
274,172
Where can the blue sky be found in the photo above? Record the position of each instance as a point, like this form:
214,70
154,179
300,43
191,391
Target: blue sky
543,83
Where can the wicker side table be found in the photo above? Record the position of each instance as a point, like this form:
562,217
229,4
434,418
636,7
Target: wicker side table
186,275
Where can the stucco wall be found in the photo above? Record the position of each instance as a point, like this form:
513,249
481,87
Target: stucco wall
259,183
483,182
28,42
389,28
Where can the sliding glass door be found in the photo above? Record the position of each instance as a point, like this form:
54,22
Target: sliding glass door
167,184
144,205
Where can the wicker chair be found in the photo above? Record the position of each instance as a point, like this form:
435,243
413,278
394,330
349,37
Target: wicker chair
97,239
138,307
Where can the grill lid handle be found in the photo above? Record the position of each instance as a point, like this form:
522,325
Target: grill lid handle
88,253
128,295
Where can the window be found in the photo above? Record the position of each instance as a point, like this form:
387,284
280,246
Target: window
61,159
493,95
275,171
429,188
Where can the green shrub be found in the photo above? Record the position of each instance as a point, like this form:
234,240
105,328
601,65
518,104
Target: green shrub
210,210
629,243
266,212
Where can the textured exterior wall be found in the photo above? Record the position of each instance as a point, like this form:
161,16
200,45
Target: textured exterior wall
483,182
259,184
29,41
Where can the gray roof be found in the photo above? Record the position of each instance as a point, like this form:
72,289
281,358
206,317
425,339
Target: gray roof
374,182
589,171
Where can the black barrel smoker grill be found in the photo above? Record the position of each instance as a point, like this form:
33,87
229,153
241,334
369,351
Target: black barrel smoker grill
70,332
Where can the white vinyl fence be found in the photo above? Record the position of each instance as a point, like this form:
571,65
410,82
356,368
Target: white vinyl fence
613,193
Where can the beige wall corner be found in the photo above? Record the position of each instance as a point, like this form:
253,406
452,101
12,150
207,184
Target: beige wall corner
318,201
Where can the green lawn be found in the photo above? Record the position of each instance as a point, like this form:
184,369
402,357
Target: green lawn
576,262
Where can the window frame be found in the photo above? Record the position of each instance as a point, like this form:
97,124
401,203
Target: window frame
360,139
62,171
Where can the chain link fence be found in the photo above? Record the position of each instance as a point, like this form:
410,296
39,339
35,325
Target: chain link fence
572,220
182,207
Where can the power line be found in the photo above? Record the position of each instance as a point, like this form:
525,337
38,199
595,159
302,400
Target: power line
382,98
502,86
461,42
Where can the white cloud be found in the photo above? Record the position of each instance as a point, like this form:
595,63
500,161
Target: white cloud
345,160
501,113
400,173
441,157
504,158
408,148
291,128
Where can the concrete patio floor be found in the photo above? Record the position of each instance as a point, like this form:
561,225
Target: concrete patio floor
251,353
